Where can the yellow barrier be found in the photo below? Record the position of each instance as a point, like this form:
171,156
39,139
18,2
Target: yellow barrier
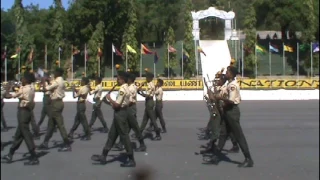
198,84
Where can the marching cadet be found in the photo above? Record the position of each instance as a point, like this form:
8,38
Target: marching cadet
35,127
120,126
132,114
81,117
96,112
26,95
232,114
3,121
57,89
149,103
45,102
159,104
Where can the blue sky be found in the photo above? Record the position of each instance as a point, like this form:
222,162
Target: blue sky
7,4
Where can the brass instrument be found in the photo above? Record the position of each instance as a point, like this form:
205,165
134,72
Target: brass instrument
210,104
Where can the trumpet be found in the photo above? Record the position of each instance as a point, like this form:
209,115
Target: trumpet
210,104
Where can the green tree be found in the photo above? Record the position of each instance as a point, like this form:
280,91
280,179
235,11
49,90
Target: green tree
94,44
249,24
129,37
170,41
190,63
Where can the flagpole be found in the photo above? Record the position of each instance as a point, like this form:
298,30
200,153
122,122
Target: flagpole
168,59
85,60
72,62
311,61
140,60
59,55
5,65
298,75
126,58
270,60
112,59
45,57
242,59
19,61
182,60
283,60
256,66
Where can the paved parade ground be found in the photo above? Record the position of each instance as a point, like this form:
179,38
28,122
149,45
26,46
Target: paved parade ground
283,138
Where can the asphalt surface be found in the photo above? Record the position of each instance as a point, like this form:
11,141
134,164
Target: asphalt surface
283,138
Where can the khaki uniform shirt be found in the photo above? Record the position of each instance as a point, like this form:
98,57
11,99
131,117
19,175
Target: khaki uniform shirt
133,93
26,96
150,90
84,90
159,94
47,92
57,88
123,96
233,89
97,91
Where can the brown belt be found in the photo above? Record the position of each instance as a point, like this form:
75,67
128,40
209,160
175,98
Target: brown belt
56,99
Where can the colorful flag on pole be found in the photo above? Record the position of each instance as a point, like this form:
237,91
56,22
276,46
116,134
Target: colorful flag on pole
116,51
185,54
200,50
4,54
60,50
156,57
260,49
31,55
273,49
16,54
100,53
86,53
304,47
145,50
287,48
315,47
130,49
171,49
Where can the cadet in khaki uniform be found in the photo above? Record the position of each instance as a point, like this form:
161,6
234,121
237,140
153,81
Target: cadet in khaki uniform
57,89
96,113
35,127
232,114
119,124
81,117
149,103
46,103
3,121
26,103
159,104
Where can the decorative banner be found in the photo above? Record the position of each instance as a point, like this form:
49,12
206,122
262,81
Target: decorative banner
198,84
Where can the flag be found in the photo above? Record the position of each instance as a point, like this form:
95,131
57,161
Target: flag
100,53
304,47
130,49
145,50
171,49
315,47
31,55
116,51
260,49
201,51
4,55
60,50
287,48
273,49
185,54
16,54
86,53
156,57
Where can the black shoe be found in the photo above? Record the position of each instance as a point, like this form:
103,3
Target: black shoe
70,135
65,149
7,158
43,146
86,138
142,148
105,130
164,130
32,162
129,163
234,149
99,158
157,138
248,162
211,159
150,129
